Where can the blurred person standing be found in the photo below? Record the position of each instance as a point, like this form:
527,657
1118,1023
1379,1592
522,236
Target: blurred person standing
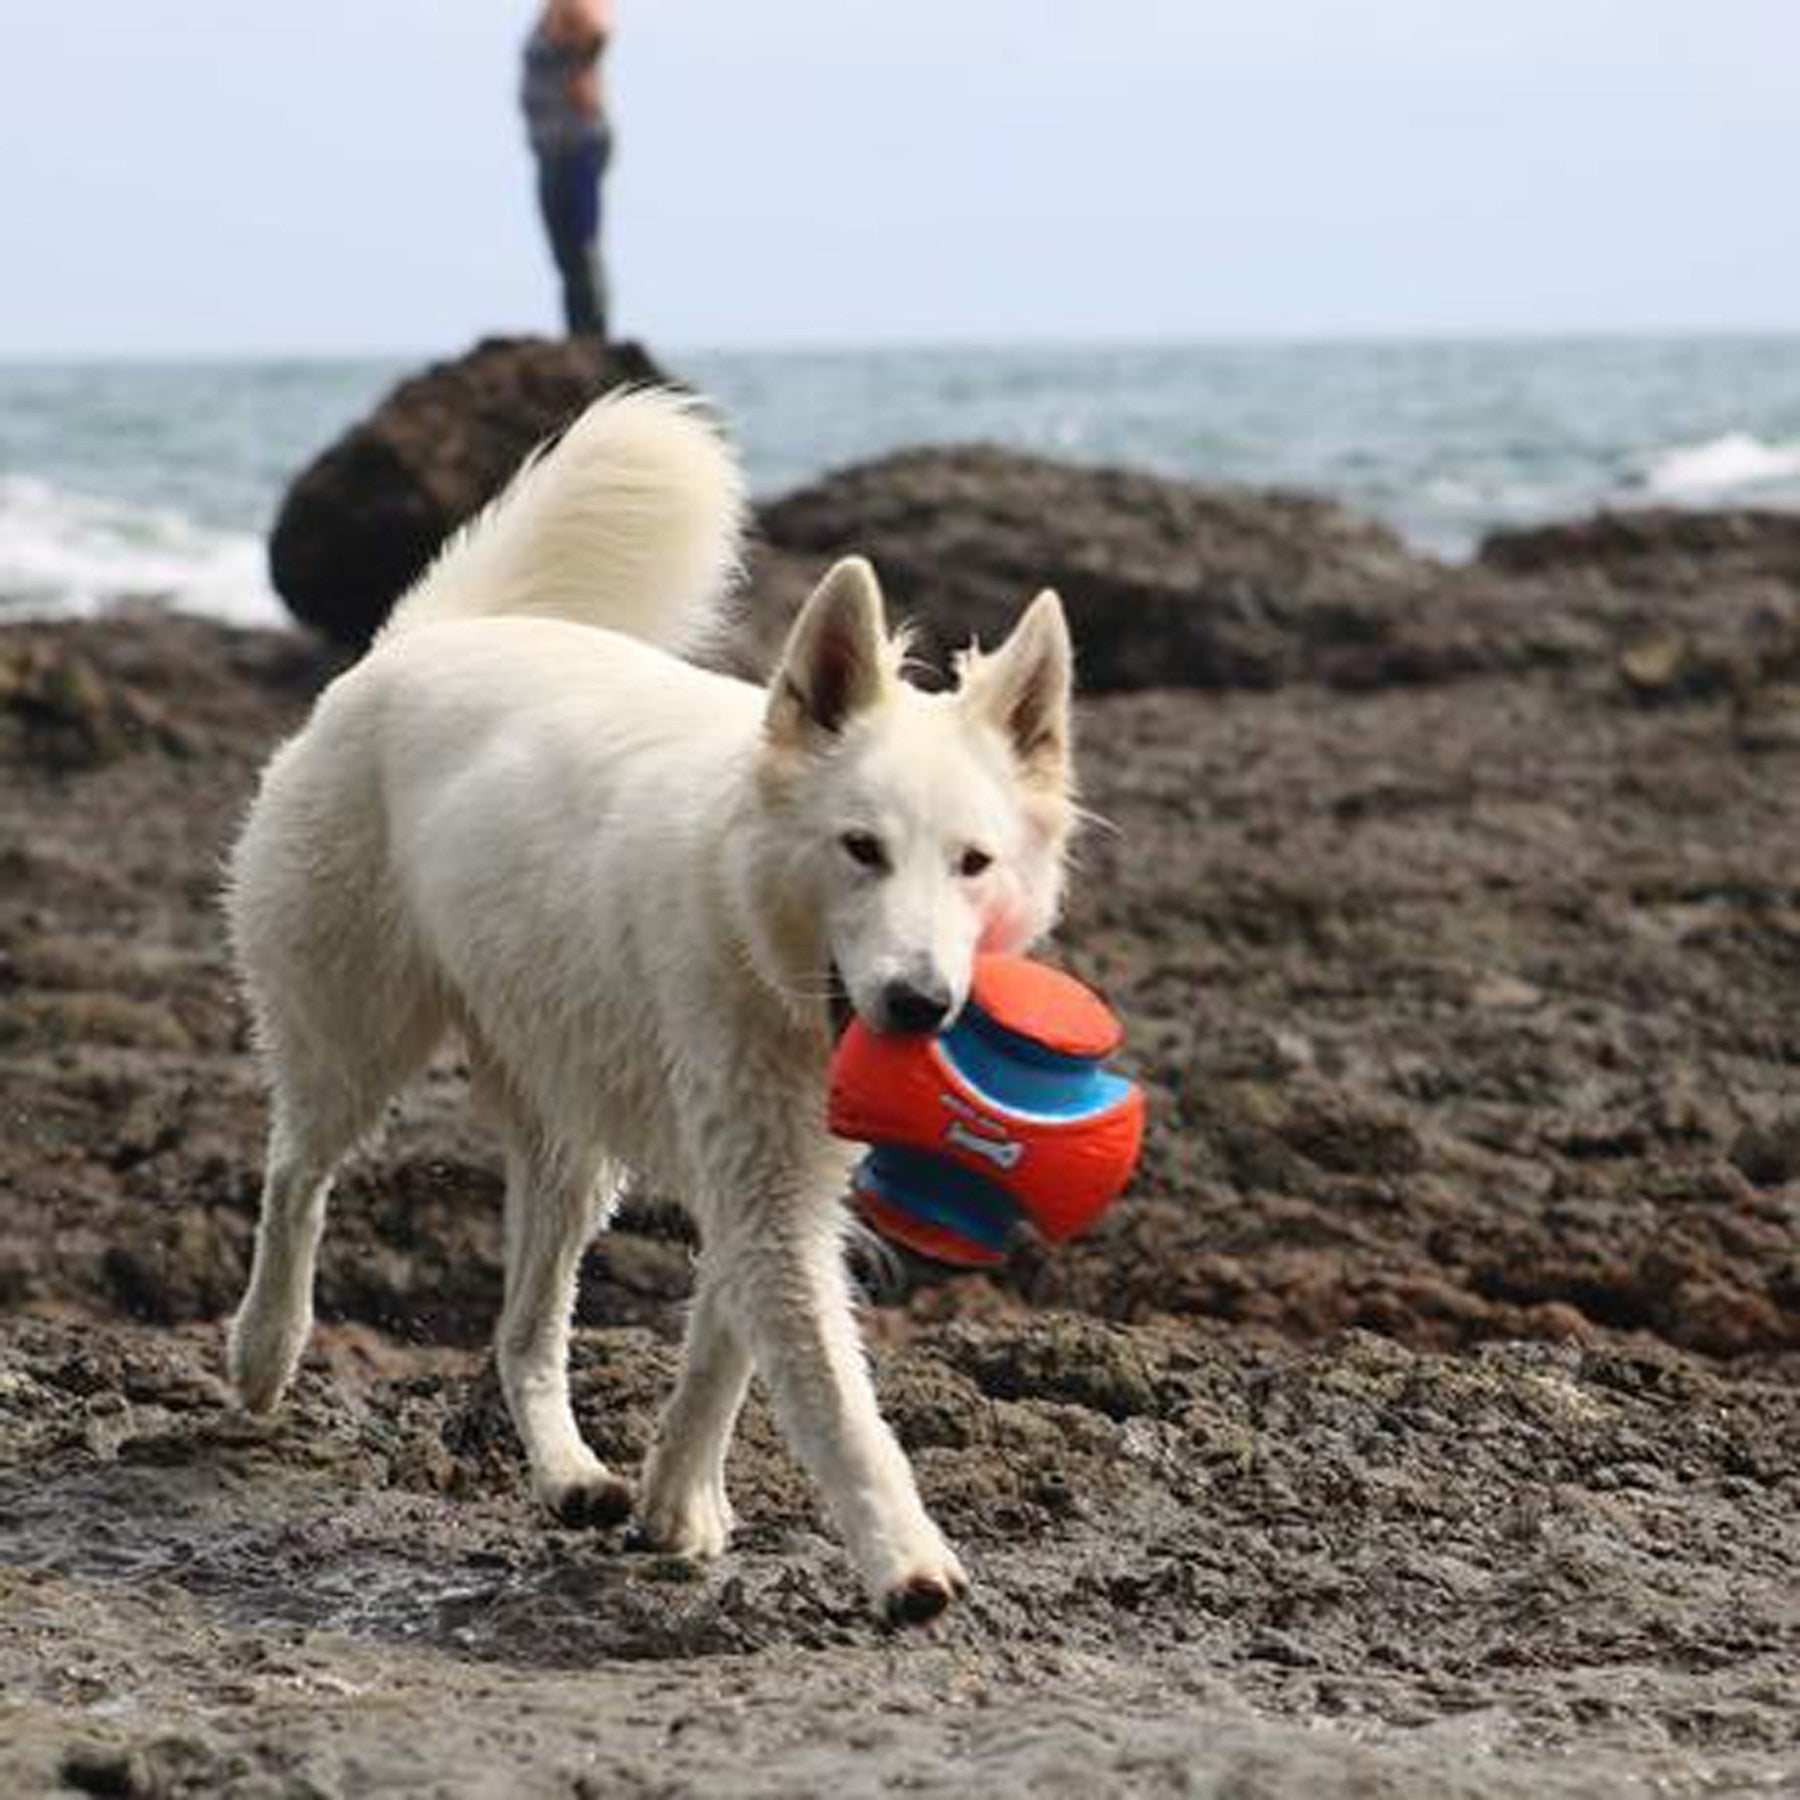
565,118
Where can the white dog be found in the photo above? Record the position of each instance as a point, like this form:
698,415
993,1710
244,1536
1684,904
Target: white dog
630,884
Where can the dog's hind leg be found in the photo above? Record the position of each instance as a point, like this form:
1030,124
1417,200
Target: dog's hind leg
552,1210
321,1110
683,1507
274,1320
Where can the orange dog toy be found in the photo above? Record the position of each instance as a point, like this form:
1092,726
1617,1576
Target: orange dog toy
1006,1120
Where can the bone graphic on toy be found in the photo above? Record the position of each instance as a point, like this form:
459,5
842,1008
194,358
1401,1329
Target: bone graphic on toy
977,1121
1003,1155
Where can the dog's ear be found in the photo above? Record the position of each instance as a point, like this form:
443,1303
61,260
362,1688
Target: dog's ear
836,660
1024,687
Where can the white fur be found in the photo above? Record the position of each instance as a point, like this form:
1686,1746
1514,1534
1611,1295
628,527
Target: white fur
627,882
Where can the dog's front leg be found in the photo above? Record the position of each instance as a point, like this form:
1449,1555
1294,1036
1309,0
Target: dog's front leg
780,1269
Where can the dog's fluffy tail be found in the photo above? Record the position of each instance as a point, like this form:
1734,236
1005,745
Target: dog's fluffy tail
631,520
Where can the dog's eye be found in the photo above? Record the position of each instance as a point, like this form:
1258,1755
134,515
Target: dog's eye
864,849
974,862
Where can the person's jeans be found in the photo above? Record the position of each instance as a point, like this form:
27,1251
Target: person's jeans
569,197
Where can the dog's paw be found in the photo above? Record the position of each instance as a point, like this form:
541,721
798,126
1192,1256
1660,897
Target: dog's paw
593,1502
696,1524
918,1598
916,1589
261,1355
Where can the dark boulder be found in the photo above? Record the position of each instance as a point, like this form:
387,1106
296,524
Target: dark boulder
1656,546
360,524
1166,584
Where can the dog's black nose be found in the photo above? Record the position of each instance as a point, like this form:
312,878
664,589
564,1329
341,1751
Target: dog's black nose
918,1005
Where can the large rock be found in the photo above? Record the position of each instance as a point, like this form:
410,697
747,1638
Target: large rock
1166,583
1656,546
363,520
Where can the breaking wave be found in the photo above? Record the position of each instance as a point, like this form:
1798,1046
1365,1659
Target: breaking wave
1736,465
64,553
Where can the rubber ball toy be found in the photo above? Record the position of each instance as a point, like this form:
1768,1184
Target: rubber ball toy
1005,1123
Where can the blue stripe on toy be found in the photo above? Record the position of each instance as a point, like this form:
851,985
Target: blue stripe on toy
940,1192
1018,1075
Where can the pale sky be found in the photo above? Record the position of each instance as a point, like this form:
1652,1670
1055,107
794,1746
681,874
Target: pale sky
183,176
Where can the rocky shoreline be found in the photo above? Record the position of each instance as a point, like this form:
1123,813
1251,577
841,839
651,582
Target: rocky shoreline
1424,1420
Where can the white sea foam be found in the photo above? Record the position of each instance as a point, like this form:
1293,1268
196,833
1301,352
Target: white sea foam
64,554
1734,465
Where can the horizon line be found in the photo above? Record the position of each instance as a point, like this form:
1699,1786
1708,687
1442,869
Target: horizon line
974,344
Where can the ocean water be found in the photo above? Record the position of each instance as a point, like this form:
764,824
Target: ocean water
126,481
